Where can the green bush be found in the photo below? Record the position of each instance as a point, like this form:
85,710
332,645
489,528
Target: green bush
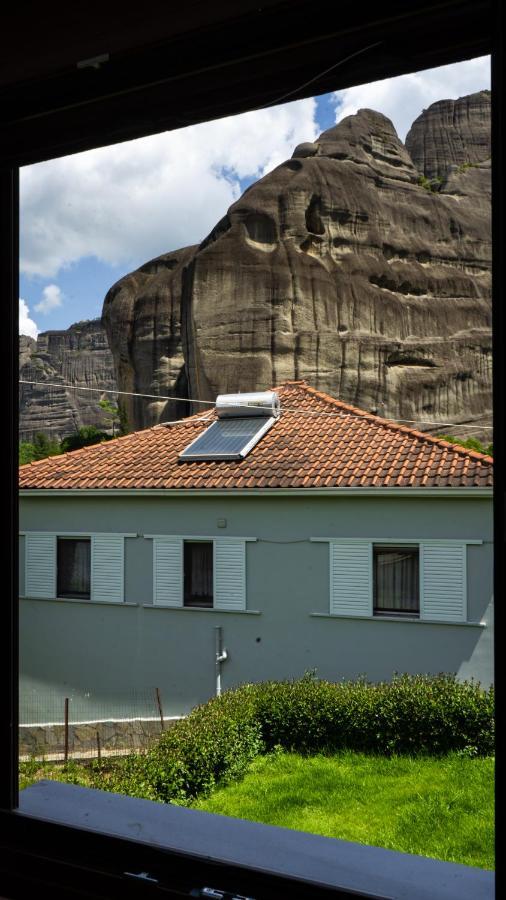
410,714
217,741
430,184
470,443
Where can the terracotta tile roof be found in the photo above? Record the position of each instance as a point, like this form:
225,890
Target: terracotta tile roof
317,442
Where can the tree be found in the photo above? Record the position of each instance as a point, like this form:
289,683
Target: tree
84,437
26,453
470,443
117,415
40,448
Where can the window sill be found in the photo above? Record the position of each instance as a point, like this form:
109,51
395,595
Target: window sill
81,602
203,609
362,870
405,620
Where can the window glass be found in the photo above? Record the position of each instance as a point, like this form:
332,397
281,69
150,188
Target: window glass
396,581
74,566
198,573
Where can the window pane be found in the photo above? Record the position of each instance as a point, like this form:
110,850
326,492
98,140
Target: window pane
74,565
198,573
396,581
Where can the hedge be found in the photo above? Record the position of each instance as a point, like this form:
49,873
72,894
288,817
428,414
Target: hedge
217,741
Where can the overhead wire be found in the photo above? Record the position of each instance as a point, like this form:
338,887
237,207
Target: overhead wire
284,409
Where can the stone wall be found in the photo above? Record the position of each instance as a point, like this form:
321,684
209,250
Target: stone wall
114,738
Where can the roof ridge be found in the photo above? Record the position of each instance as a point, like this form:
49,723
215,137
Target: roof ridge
391,424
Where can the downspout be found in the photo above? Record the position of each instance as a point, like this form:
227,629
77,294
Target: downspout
220,656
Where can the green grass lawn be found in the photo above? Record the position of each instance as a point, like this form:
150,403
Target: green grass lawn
439,807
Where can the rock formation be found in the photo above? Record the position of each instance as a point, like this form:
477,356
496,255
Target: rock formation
79,356
451,132
341,267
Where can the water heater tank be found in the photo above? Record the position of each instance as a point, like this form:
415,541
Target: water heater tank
259,403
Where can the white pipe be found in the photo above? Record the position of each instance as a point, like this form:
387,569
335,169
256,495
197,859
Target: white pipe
220,656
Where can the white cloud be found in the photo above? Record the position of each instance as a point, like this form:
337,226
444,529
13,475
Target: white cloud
135,200
52,298
402,99
26,325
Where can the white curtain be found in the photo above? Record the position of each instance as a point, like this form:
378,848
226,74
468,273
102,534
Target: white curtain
396,581
74,566
198,571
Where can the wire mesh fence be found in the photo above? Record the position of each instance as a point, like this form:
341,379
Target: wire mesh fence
59,725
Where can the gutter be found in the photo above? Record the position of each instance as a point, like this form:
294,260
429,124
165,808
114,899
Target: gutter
462,493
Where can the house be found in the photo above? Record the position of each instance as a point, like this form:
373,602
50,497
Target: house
328,539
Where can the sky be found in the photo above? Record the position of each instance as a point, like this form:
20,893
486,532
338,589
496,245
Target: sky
88,219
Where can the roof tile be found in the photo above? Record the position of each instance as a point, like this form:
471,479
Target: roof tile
317,442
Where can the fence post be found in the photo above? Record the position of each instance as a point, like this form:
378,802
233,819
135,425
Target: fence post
66,749
160,710
99,751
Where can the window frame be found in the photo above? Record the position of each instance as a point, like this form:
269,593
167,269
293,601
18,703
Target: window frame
162,598
94,537
385,612
191,604
27,144
361,605
60,541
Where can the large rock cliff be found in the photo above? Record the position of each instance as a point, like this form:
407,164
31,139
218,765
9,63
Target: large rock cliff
451,132
341,267
79,356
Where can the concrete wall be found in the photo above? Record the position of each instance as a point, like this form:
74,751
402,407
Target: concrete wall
107,651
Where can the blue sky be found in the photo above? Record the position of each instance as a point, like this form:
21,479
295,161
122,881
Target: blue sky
88,219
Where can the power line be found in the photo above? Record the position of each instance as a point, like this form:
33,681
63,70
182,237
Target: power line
75,387
301,87
285,409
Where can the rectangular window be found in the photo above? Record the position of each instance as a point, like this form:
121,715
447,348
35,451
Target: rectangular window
198,574
396,581
74,568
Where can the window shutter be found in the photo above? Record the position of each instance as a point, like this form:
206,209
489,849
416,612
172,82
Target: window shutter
443,581
351,578
40,565
229,574
168,571
107,567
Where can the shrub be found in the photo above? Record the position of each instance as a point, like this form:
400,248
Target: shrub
430,184
216,742
417,714
410,714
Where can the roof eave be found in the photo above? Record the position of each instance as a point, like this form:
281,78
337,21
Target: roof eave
440,492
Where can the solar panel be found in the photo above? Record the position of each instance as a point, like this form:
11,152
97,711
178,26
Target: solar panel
228,438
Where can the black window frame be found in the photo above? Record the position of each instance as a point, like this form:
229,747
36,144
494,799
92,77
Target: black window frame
390,612
59,116
61,542
190,599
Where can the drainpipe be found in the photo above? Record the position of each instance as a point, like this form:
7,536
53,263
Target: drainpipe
220,657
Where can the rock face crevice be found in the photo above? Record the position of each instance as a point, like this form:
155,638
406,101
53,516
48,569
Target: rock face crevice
340,267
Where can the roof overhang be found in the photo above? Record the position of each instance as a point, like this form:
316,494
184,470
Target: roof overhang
455,493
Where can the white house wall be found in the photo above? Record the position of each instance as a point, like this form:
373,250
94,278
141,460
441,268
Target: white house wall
110,650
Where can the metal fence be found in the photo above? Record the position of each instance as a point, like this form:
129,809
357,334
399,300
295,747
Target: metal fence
81,724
